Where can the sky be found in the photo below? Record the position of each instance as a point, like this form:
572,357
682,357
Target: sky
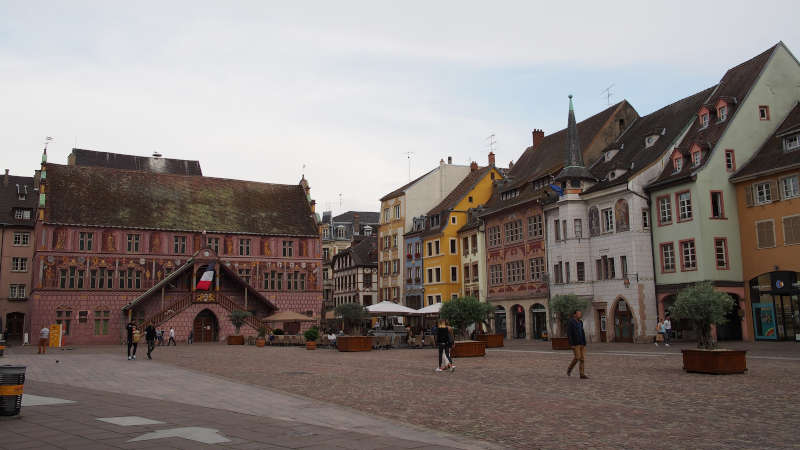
342,91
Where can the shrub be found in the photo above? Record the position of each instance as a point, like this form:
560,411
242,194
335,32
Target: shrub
262,331
352,314
311,334
703,306
565,305
238,318
277,332
464,311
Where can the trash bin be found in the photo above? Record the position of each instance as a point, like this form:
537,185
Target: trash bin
11,380
2,345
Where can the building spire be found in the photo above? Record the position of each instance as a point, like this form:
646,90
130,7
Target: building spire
573,168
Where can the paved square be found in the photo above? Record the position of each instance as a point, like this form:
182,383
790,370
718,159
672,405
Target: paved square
129,421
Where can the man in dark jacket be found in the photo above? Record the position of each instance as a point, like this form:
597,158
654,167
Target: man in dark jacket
577,340
150,335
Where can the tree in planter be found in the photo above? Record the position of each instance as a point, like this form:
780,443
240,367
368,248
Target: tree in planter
564,306
311,334
352,314
238,318
703,306
464,311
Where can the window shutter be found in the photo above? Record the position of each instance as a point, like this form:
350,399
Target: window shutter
748,194
765,235
773,189
791,230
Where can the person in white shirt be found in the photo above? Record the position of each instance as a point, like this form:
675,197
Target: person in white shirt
172,337
667,330
44,337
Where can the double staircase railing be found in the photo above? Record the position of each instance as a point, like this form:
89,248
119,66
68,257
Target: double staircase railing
188,300
231,306
170,311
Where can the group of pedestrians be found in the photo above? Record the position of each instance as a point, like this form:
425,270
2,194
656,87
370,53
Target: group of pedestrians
134,336
664,329
445,341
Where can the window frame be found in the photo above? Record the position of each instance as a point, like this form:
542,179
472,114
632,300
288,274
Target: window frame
683,258
604,220
668,199
774,237
755,187
765,109
646,222
453,246
690,208
782,186
671,246
23,236
727,265
732,154
721,205
783,229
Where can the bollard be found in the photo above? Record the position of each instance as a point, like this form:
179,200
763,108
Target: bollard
12,378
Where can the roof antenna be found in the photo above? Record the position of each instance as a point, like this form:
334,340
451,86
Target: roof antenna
408,155
340,201
492,142
608,93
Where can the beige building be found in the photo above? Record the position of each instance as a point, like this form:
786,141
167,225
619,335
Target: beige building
398,208
17,205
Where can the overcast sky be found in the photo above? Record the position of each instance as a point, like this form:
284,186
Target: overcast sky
255,90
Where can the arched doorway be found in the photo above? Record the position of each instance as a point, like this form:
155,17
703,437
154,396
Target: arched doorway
732,329
623,322
500,320
15,326
206,327
538,321
518,314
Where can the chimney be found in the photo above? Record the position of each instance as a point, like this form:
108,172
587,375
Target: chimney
449,160
356,225
538,136
473,166
491,158
5,178
441,162
510,165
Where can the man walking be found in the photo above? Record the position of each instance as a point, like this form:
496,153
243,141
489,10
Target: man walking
129,329
44,337
171,337
150,335
667,330
577,340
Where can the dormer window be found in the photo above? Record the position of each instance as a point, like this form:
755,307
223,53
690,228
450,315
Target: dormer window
697,156
513,193
650,140
607,156
704,120
791,143
367,230
611,175
340,232
22,192
722,113
677,163
435,220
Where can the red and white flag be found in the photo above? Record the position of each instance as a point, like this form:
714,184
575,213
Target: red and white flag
205,281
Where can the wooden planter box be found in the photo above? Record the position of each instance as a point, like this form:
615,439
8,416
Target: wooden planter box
354,343
235,340
714,361
311,345
491,340
466,349
560,343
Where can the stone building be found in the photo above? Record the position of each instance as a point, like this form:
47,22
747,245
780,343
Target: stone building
768,200
117,244
514,222
355,273
599,244
398,208
338,233
18,197
696,227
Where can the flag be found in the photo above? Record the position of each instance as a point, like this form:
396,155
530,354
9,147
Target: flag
558,189
205,281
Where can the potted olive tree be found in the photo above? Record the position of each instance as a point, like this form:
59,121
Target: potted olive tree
311,335
704,306
353,316
563,306
261,340
238,318
461,313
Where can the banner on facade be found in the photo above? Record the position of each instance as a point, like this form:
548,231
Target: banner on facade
55,335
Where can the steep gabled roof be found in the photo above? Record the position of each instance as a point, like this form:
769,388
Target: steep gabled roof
10,189
92,158
735,84
633,156
548,156
98,196
363,217
771,157
462,189
397,192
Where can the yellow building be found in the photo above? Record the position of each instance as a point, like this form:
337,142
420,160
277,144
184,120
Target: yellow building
441,247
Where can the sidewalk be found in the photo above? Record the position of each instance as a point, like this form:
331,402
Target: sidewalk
143,384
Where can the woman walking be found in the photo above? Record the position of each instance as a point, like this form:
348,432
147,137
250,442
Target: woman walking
444,343
134,342
660,332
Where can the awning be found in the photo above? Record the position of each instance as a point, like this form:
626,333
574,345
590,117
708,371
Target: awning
390,308
288,316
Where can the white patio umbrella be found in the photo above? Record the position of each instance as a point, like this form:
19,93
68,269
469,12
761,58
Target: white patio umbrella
387,308
430,309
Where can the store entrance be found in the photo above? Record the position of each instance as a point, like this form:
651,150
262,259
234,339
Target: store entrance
776,308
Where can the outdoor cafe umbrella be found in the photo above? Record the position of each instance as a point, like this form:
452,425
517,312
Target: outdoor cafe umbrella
288,316
387,308
430,309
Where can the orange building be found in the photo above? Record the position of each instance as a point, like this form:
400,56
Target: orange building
768,196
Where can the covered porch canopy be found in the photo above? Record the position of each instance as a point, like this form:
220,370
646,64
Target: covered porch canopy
200,258
288,316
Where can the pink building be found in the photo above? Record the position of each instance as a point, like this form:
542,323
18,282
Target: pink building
122,238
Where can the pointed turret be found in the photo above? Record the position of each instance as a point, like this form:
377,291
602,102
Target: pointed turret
574,171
